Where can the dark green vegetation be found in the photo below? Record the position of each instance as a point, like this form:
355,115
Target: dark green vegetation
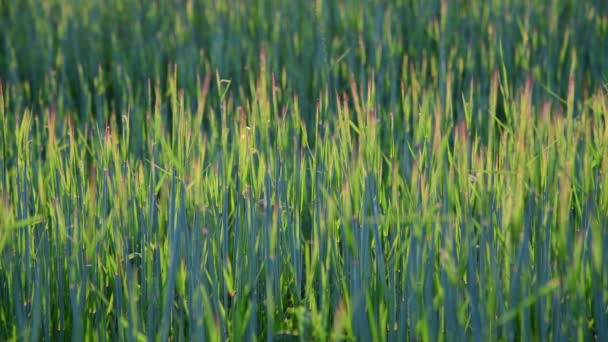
303,170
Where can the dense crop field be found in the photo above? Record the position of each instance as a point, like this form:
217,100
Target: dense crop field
279,170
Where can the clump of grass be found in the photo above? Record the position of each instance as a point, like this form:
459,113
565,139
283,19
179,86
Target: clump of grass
378,230
401,187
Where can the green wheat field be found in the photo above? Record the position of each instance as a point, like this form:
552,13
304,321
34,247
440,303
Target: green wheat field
322,170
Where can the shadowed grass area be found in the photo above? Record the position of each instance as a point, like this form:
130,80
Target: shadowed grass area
324,170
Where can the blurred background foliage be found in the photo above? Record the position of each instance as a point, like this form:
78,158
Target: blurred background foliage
82,55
